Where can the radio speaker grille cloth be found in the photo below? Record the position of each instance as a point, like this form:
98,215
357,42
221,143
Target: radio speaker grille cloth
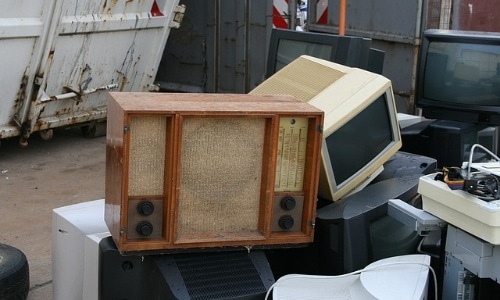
147,155
220,194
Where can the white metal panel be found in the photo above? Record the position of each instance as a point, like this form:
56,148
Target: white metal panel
70,226
98,45
23,25
71,52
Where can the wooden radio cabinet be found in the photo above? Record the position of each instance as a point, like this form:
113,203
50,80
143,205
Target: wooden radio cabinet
190,170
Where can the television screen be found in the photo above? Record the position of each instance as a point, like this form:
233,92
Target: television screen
360,131
459,76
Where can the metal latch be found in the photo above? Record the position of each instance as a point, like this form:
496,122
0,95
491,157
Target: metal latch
179,11
76,93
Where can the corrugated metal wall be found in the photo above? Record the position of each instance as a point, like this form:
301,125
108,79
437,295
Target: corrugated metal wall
476,15
222,44
220,47
396,27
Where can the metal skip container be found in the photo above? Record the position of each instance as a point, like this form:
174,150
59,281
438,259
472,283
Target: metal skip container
59,58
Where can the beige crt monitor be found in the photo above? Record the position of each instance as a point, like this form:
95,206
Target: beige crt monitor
360,132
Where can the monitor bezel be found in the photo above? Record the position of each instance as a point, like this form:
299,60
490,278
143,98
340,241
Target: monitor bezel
445,110
334,191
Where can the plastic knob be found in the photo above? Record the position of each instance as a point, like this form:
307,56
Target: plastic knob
145,208
144,228
288,203
127,265
286,222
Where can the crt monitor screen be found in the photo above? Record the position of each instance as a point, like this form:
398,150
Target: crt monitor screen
360,140
459,76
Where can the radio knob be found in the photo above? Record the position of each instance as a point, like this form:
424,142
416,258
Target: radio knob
288,203
286,222
144,228
127,265
145,208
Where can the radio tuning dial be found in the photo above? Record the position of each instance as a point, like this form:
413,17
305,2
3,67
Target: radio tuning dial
286,222
145,208
144,228
288,203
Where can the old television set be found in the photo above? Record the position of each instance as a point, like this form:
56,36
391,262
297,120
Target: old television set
458,91
286,45
459,76
361,130
191,171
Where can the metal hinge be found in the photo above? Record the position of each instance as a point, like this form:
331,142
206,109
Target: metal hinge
38,80
311,223
76,93
179,11
126,129
153,87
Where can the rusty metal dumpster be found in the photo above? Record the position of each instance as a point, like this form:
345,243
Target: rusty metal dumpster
58,58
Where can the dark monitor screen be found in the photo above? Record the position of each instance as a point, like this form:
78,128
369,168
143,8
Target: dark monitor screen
459,76
463,73
360,140
289,50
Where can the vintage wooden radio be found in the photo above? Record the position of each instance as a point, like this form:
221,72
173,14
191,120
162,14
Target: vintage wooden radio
188,171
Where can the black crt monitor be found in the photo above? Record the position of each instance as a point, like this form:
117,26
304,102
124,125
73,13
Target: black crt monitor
356,230
459,76
286,45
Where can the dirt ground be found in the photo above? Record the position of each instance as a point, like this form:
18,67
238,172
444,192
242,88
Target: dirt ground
34,180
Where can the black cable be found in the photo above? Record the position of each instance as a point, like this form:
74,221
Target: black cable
483,186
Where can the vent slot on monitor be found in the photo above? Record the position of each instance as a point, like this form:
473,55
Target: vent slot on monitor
313,79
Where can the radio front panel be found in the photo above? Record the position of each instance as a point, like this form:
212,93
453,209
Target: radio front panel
211,170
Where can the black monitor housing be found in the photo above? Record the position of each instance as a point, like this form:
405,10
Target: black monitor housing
459,76
286,45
